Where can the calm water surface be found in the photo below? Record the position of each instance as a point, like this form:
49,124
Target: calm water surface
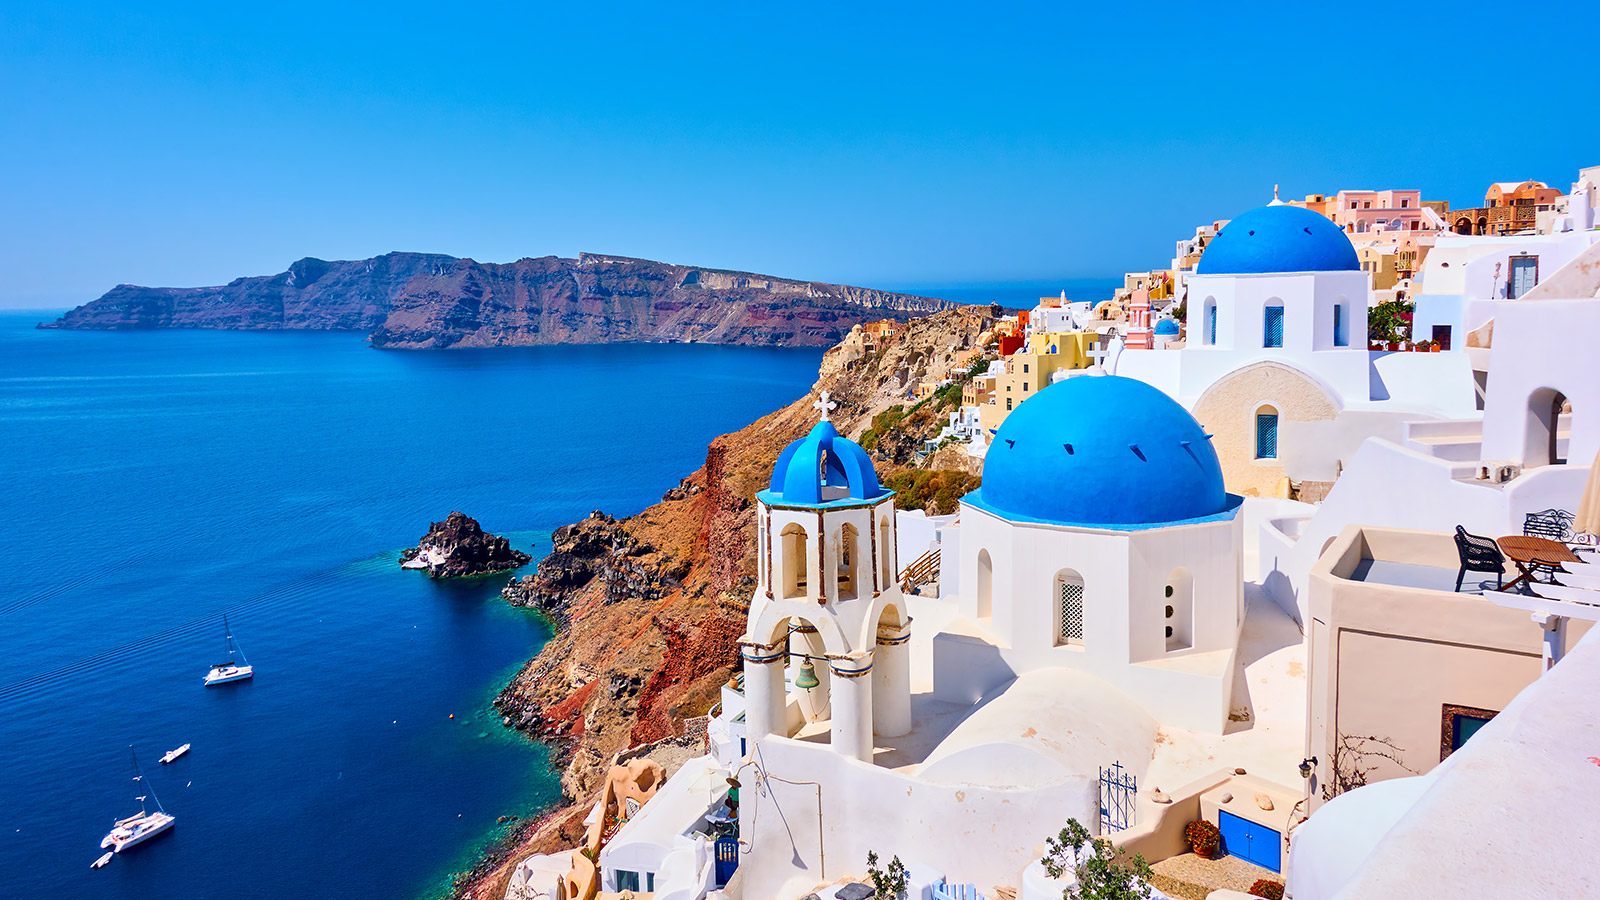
154,480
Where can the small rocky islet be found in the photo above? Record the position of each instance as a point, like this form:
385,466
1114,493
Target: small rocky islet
458,547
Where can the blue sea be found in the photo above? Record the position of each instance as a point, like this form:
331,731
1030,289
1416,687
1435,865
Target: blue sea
153,481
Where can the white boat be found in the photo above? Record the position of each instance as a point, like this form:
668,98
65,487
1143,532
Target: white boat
140,827
222,673
174,754
102,860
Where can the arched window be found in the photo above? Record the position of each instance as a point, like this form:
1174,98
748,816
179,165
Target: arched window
1069,608
1178,602
1211,322
1266,433
792,540
1361,226
1272,324
849,551
985,585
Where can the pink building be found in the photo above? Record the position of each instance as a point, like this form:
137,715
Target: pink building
1358,212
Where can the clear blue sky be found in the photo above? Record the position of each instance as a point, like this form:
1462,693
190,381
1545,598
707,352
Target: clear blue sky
913,145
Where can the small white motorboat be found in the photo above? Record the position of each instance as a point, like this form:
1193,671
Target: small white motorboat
102,860
174,754
222,673
143,825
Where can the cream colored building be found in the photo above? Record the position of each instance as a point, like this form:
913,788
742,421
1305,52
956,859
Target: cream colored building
1403,669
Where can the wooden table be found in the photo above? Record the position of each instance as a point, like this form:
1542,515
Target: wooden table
1527,551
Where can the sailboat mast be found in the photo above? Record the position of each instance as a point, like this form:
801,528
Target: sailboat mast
139,777
228,630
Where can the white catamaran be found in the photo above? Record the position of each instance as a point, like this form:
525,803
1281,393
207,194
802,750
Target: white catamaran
221,673
145,825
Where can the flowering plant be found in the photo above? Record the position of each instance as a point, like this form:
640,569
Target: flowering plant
1203,837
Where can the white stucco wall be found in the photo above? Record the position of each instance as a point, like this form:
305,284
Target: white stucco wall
1125,574
971,834
1388,485
1540,344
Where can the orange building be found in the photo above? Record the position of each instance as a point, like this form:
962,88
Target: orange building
873,334
1508,207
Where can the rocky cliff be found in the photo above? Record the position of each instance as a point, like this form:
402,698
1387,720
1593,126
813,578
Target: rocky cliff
428,300
649,606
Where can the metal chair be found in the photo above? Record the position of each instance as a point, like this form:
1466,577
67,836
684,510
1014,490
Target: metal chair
1555,524
1551,524
1479,554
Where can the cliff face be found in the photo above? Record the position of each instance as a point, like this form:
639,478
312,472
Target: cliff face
650,606
312,295
421,300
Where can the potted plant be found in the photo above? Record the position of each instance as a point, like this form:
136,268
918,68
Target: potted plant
1203,838
1266,887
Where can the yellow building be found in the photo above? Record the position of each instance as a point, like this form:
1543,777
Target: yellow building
1029,369
978,391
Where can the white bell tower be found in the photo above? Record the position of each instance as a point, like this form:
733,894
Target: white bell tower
828,626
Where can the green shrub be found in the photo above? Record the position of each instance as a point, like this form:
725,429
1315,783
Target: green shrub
1100,876
887,884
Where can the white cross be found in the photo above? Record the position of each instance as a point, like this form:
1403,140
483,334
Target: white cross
825,405
1097,352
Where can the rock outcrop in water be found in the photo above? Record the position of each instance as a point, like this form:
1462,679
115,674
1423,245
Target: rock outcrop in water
429,300
459,547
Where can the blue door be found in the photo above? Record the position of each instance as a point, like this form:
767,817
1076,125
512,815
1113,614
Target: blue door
1524,275
1251,842
727,853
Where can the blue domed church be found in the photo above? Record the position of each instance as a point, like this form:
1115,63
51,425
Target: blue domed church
1275,362
1102,539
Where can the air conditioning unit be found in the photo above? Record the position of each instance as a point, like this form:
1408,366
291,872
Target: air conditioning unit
1498,471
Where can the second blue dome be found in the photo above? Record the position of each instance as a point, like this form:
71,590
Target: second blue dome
1278,239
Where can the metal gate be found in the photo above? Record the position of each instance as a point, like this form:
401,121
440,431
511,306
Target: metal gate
1117,789
727,854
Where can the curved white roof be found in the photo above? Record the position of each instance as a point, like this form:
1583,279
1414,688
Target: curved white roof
1048,726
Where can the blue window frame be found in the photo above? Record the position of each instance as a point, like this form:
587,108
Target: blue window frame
1461,723
1211,324
1339,337
1266,435
1272,328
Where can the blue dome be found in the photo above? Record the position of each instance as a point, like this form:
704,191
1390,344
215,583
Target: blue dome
1278,239
1101,451
821,468
1167,326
